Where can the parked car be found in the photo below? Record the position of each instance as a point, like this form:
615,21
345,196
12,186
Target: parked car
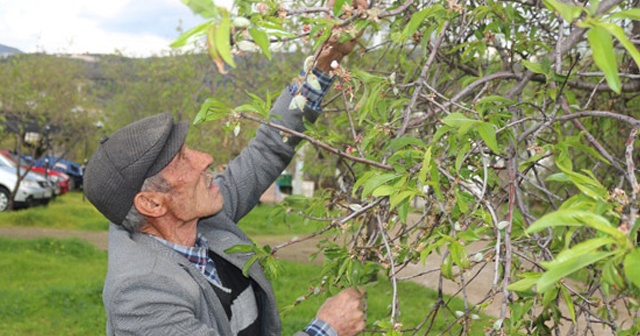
33,189
74,170
53,189
59,178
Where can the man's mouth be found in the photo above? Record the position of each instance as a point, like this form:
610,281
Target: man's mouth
210,177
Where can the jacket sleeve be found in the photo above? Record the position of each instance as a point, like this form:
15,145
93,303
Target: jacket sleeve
263,160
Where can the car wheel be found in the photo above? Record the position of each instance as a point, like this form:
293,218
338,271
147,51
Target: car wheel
4,199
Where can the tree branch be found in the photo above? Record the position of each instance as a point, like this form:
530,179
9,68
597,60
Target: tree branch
315,142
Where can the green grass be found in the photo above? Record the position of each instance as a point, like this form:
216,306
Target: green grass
266,219
51,287
415,302
54,287
68,211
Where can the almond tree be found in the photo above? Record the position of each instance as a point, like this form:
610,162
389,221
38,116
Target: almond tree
511,124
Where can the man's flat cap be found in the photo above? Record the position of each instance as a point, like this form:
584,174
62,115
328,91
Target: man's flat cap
117,169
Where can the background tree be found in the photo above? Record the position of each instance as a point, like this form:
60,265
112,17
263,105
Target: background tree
41,105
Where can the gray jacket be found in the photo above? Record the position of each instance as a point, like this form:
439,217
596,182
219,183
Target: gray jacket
152,290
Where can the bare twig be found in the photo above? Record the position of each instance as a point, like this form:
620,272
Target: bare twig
345,101
594,142
332,225
422,78
315,142
394,281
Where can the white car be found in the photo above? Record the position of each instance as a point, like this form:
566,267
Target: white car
33,188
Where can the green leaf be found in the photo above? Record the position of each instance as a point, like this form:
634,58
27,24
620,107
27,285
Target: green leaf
426,166
568,12
403,211
440,132
247,265
495,99
204,8
632,267
223,39
191,34
262,40
618,32
240,248
419,18
567,267
588,149
462,153
580,249
211,109
549,296
459,255
396,199
337,7
570,217
402,142
430,248
558,177
534,67
446,268
374,182
604,55
457,120
632,14
384,190
469,235
460,201
488,134
528,281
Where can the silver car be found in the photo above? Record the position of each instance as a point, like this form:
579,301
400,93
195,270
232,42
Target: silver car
33,189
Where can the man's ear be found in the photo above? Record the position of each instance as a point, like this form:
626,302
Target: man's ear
150,204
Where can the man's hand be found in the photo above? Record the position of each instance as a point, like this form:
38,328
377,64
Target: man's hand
334,50
344,312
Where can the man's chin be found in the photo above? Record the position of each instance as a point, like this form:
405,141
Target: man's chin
215,211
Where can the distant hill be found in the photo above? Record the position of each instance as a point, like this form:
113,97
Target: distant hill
6,50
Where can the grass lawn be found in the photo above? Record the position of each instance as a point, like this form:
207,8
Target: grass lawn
51,287
54,287
69,211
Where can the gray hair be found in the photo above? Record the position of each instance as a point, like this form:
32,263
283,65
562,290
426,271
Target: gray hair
134,219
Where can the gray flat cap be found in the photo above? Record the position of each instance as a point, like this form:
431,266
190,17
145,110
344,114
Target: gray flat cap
122,162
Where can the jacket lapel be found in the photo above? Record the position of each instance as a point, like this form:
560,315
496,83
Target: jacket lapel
217,313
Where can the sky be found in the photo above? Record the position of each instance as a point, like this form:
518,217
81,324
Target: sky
137,28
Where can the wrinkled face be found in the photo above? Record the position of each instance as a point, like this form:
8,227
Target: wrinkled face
193,194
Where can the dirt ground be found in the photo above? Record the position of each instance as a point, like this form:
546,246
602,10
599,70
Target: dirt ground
426,275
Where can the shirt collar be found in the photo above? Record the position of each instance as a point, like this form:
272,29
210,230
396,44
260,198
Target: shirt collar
197,254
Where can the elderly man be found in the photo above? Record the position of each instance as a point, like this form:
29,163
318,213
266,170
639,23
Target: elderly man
172,221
